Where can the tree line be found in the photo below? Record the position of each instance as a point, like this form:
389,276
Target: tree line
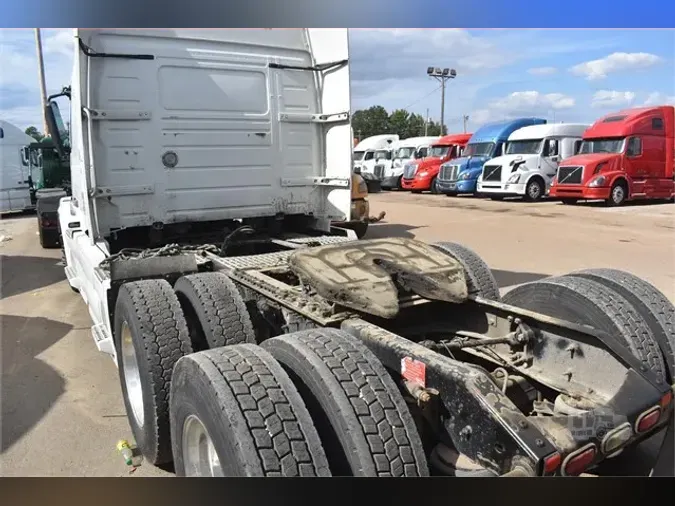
39,136
376,121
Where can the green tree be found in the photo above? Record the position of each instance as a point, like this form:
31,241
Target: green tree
415,126
435,129
34,133
399,123
369,122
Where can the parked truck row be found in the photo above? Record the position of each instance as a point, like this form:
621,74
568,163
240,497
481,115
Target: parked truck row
627,155
255,337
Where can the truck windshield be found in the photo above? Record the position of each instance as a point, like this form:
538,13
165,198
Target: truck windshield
405,153
381,154
439,151
358,155
479,149
601,146
526,147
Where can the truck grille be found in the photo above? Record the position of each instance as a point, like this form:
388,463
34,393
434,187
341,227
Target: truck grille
492,173
379,171
409,171
570,175
449,172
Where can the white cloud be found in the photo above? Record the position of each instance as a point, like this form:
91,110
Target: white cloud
522,103
657,98
61,42
543,71
19,79
615,62
612,98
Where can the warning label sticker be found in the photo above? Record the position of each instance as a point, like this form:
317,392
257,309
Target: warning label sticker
414,371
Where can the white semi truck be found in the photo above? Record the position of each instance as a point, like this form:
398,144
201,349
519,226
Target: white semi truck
366,151
253,338
15,188
530,161
406,150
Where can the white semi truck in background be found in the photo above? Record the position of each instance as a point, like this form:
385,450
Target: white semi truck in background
15,188
412,148
365,152
530,161
255,338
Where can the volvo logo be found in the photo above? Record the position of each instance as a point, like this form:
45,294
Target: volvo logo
569,175
495,169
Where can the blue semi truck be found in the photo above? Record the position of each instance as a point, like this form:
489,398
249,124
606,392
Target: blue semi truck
461,174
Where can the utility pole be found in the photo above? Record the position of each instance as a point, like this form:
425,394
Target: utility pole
426,124
465,118
43,86
442,75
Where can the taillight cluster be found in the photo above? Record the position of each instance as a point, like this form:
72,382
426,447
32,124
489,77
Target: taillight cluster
577,462
651,417
612,443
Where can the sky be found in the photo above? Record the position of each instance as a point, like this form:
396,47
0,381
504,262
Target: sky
561,75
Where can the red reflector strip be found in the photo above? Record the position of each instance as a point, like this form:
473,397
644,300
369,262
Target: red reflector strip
648,419
666,400
552,462
576,463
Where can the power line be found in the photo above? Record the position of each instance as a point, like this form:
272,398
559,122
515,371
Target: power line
421,98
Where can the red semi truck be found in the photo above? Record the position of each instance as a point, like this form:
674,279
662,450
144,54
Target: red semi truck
627,155
420,175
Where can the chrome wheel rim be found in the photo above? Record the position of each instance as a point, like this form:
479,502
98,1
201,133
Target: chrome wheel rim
132,376
534,191
199,454
617,194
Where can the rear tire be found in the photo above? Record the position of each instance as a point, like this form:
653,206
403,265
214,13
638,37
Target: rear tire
360,414
587,301
151,335
49,238
215,311
653,306
253,417
479,278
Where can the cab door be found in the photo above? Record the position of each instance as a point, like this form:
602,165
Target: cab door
548,162
636,166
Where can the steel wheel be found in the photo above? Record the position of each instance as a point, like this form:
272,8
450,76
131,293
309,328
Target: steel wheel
132,376
199,453
534,190
618,194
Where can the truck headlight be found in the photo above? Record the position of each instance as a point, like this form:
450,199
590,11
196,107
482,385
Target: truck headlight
465,176
424,173
514,178
598,181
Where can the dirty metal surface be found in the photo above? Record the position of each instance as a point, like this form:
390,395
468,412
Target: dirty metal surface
268,260
482,422
363,275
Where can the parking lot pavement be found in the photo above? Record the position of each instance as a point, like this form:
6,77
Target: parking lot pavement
62,411
524,241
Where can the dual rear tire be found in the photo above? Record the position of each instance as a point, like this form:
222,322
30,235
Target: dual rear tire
311,403
629,309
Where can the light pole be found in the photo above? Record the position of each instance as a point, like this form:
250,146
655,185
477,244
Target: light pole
442,75
41,75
